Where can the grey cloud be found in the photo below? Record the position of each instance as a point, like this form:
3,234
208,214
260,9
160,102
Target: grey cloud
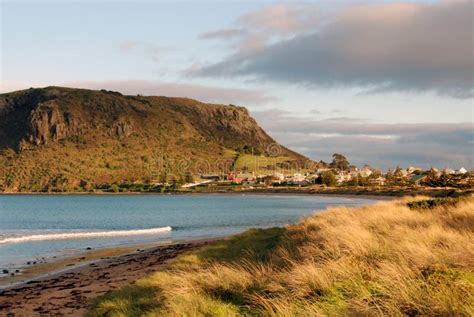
275,119
384,47
224,34
379,144
281,18
383,153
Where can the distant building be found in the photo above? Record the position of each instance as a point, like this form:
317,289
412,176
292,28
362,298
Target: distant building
278,177
365,172
244,177
449,171
413,169
297,179
378,181
461,171
342,177
230,176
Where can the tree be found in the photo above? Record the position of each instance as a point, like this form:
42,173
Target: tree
339,162
364,181
328,178
354,181
389,177
431,178
444,179
398,172
375,174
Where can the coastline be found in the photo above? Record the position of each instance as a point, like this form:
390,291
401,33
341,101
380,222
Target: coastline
349,192
62,263
71,289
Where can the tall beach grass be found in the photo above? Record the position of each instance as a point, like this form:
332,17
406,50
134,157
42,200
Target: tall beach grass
387,259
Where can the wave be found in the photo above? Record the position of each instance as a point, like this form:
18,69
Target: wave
85,235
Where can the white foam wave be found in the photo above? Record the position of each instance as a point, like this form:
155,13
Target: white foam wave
85,235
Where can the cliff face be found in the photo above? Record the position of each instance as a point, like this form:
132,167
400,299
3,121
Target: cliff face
103,136
48,124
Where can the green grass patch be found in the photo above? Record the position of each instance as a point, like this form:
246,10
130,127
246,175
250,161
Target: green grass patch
434,203
133,300
255,163
253,244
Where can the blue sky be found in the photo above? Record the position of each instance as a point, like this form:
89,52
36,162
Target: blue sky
397,89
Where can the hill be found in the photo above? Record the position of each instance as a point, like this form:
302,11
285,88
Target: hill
64,139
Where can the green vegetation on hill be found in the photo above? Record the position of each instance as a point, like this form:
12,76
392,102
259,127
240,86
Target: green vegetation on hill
265,164
385,259
63,139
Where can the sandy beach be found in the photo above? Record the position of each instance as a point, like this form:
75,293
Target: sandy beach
70,292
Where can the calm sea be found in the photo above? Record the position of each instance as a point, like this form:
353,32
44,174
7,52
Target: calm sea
35,226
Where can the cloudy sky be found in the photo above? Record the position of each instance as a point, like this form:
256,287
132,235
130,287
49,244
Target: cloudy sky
385,83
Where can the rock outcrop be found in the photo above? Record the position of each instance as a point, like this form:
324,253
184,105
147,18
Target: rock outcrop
48,124
122,129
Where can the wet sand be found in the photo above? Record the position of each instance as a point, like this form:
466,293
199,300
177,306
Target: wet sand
70,292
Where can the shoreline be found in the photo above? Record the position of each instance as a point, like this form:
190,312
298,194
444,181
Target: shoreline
70,290
48,267
62,263
362,192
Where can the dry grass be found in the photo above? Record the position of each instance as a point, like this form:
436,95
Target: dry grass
383,259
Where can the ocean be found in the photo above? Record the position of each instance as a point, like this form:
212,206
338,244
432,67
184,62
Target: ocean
45,226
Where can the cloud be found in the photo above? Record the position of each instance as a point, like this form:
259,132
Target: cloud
376,47
223,34
380,152
129,45
379,144
280,18
150,50
159,88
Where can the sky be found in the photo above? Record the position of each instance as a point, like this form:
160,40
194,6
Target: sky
385,83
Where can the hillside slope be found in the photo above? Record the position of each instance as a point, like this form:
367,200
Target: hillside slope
73,139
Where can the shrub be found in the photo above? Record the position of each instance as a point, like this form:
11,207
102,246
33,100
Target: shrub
328,178
433,203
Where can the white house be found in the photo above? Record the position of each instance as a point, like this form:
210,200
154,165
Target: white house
365,172
278,176
449,171
461,171
342,177
297,179
379,180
